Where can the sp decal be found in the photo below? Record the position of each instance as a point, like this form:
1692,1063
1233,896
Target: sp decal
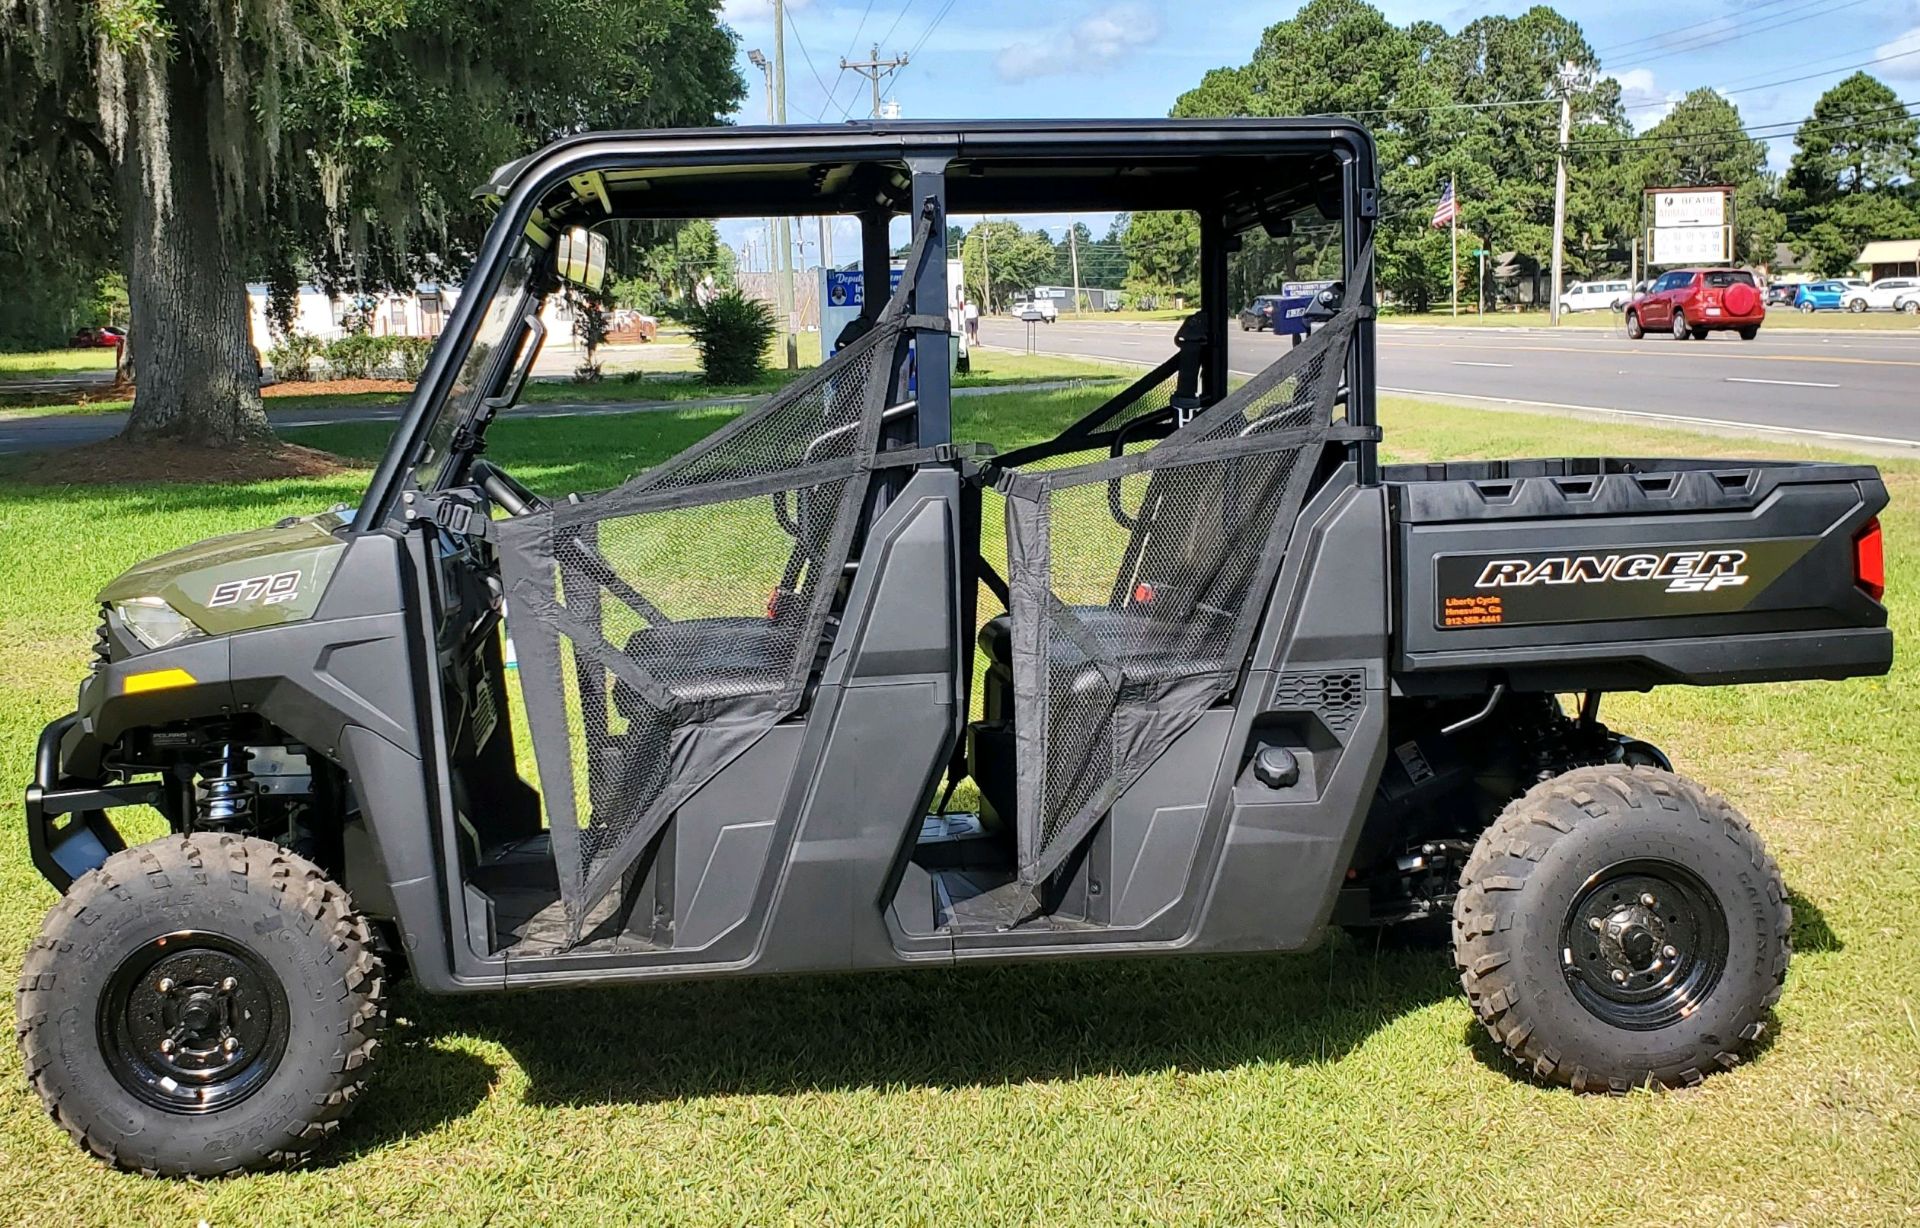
265,590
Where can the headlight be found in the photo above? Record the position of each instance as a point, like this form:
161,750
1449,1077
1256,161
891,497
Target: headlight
155,623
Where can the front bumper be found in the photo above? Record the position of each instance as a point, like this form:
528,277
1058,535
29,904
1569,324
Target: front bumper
68,832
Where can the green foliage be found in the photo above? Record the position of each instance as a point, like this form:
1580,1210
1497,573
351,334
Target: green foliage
357,355
291,358
731,334
1008,258
1851,177
410,356
1163,256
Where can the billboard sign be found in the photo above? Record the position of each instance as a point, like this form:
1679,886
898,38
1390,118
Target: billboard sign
1689,245
1690,207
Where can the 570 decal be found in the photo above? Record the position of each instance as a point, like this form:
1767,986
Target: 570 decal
269,589
1680,571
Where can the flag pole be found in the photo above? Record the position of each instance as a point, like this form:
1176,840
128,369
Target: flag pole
1453,191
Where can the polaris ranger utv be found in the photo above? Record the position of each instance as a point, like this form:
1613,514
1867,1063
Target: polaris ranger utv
1238,683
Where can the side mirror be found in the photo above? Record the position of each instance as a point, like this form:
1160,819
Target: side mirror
580,256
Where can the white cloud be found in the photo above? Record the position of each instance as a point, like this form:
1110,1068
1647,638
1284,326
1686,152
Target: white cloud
1907,46
1094,43
1646,103
754,13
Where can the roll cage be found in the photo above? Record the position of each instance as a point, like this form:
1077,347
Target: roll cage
1233,174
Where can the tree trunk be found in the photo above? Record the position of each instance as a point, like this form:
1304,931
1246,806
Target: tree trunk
197,376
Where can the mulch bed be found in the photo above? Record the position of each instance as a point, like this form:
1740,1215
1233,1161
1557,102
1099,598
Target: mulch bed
334,387
118,461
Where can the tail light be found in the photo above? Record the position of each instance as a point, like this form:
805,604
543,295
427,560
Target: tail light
1870,561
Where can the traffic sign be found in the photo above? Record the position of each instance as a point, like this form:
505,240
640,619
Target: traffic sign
1480,251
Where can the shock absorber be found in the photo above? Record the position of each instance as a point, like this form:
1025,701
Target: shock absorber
227,786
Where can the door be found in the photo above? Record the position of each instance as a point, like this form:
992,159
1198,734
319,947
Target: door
1655,310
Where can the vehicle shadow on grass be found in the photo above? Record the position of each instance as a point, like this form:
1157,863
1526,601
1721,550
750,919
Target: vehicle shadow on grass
948,1028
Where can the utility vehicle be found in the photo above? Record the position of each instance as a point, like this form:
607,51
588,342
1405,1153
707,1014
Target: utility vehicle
1236,681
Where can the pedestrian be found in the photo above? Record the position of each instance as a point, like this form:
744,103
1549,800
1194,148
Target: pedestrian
971,313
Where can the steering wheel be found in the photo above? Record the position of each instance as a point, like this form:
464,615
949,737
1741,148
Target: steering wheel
504,490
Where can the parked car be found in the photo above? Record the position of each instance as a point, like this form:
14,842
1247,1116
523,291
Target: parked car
1041,309
105,336
1695,302
1780,293
1259,314
1819,296
1596,296
1887,294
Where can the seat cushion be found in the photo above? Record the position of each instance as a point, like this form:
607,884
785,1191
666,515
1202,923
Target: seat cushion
711,658
1151,648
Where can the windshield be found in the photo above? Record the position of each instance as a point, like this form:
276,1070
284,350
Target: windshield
501,325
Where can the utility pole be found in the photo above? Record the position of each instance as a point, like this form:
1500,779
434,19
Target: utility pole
1560,196
779,101
873,68
986,267
1073,252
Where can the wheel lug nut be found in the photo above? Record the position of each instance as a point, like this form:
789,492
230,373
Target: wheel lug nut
1647,901
1594,923
166,1045
229,985
1669,951
229,1044
1619,977
165,985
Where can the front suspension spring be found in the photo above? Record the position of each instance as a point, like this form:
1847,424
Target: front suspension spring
228,789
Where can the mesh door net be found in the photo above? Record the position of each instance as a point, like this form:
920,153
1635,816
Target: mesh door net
666,625
1136,584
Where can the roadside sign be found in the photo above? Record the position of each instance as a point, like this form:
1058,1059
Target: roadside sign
1480,251
1690,207
1303,289
1689,245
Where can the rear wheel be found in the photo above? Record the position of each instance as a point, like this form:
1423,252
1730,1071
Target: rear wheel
1634,331
1699,334
200,1005
1806,308
1857,306
1620,927
1680,329
1749,331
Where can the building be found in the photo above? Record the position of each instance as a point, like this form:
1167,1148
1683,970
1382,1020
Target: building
421,313
1890,258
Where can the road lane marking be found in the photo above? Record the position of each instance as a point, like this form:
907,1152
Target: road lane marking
1785,383
1717,352
1461,362
1685,419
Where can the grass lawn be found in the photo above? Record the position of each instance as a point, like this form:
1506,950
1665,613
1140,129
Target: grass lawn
1351,1084
990,368
1778,317
51,364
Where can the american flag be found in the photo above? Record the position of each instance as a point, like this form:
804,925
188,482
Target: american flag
1448,208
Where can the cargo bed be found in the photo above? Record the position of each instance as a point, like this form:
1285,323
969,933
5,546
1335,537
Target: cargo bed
1567,574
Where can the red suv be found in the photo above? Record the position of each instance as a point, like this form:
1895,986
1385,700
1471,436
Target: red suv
1695,302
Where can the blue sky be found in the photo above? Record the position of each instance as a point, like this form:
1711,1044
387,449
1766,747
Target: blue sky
1061,58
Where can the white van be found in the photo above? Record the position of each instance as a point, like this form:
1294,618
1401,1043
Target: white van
1596,296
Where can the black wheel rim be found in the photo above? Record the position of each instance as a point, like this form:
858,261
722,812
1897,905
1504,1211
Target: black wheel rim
1644,943
193,1022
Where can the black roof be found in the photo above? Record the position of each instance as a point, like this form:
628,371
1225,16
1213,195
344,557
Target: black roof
1254,168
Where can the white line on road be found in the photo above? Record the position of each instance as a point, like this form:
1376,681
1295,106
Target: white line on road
1460,362
1784,383
1685,419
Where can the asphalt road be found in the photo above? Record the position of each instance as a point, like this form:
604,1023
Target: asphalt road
1852,388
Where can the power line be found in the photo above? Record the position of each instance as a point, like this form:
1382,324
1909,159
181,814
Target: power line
817,80
1793,128
896,21
1662,36
1745,32
1748,89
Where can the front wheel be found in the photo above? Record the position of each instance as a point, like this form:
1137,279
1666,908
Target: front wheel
1634,331
203,1004
1911,306
1620,927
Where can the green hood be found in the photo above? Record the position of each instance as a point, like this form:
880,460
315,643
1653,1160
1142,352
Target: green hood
240,580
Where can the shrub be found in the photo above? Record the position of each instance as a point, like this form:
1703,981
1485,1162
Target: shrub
410,356
355,355
731,334
292,358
